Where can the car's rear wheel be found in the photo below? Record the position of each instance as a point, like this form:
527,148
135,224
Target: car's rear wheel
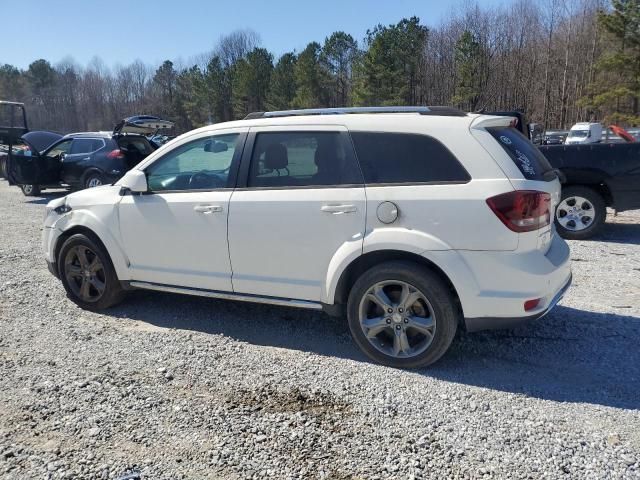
30,190
402,314
93,179
87,273
580,213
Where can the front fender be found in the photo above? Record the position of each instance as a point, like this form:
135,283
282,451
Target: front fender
89,220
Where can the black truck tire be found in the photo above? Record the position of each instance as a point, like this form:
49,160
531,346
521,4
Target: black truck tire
581,213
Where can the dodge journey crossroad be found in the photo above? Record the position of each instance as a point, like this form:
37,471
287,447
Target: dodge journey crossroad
411,222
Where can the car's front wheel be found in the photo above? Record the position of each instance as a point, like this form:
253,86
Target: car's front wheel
580,213
30,190
402,315
87,273
93,179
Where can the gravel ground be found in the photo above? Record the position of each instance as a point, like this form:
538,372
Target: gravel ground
172,387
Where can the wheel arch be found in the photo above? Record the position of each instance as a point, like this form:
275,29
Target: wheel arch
364,262
597,180
87,172
118,261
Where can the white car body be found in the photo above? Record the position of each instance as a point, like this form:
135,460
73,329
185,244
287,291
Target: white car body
584,132
292,246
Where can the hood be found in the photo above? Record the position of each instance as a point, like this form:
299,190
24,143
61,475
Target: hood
39,141
142,124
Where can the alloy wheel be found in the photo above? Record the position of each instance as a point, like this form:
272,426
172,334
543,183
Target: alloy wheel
85,273
575,213
397,319
94,182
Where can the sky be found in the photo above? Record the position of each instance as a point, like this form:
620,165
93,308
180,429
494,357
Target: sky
120,32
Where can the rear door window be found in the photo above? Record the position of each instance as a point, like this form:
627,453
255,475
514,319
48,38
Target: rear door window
302,159
529,160
403,158
85,145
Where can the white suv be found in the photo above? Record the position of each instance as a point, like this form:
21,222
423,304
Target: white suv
413,221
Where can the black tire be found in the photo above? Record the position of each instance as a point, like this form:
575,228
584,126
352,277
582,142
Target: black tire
3,167
30,190
597,206
426,282
92,179
113,292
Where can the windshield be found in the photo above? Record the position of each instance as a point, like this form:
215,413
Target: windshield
578,133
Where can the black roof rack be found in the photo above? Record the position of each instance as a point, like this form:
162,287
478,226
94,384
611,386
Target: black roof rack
439,111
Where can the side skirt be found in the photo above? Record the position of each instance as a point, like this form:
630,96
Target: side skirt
286,302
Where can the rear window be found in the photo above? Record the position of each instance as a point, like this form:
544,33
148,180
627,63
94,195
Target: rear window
86,145
396,158
529,160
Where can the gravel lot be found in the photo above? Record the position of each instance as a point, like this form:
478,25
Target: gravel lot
178,387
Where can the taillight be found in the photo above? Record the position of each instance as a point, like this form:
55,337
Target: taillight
522,210
117,153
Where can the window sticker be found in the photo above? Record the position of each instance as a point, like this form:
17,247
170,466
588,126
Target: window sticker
527,167
506,140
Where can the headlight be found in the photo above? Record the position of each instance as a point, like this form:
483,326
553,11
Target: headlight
62,209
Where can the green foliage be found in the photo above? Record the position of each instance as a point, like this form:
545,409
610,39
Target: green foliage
251,79
337,56
469,59
388,72
282,90
311,79
616,90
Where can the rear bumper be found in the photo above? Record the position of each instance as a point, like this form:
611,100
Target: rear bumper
493,286
497,323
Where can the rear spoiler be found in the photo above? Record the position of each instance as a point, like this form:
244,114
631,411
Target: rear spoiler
490,120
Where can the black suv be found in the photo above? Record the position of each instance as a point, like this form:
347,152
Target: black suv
84,160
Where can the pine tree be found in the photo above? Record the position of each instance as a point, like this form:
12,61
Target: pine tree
616,91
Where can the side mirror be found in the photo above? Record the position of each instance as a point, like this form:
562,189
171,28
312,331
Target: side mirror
135,181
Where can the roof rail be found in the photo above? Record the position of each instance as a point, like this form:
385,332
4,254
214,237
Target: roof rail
440,111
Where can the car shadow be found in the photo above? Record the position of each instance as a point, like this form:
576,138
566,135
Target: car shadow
628,233
568,356
45,198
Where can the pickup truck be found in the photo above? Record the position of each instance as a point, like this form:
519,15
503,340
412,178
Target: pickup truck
595,176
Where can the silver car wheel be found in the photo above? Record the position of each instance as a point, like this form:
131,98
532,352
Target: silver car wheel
397,319
94,182
575,213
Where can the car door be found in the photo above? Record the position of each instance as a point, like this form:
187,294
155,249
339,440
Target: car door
79,158
29,167
176,234
300,200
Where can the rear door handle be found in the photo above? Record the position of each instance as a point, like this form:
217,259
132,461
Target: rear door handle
338,209
207,208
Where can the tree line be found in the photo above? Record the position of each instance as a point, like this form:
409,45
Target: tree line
560,61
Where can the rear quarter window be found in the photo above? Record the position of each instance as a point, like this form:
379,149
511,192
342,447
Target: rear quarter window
405,158
529,160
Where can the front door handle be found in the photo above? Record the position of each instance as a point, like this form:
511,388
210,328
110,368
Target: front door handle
207,208
338,209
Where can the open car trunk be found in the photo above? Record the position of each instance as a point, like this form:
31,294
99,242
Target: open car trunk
142,125
135,148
